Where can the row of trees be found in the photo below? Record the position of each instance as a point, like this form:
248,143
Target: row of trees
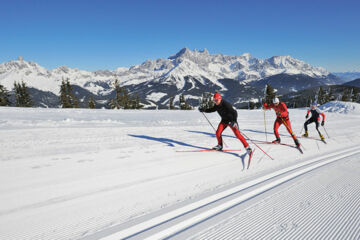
22,96
67,97
349,94
123,100
322,96
183,104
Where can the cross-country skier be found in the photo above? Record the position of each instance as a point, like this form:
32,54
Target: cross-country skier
315,117
282,118
228,118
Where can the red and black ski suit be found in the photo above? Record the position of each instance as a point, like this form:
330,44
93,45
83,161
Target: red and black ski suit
282,117
228,118
315,117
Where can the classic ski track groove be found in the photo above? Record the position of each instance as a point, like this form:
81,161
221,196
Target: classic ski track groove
298,169
338,229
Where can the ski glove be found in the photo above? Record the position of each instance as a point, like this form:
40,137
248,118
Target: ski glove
322,123
307,115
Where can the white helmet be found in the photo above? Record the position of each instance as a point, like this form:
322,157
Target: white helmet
276,100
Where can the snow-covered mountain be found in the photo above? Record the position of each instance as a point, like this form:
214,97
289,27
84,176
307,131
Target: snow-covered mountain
347,76
187,72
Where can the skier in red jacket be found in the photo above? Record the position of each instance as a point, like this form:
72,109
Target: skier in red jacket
228,118
282,117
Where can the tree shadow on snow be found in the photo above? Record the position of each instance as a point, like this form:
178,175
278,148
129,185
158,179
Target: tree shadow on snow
172,143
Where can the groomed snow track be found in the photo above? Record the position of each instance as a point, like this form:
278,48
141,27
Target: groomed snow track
170,224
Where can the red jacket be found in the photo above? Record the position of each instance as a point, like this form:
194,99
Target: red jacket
280,109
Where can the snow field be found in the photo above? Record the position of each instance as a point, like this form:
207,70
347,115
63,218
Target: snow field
299,170
73,173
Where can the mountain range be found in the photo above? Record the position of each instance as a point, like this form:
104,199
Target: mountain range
189,72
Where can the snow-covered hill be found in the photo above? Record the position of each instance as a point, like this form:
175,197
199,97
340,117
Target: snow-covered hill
341,107
157,80
94,174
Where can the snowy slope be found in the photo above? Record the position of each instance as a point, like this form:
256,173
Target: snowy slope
88,174
341,107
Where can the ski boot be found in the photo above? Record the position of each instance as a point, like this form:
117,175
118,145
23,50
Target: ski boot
298,146
306,134
322,137
249,151
218,147
277,140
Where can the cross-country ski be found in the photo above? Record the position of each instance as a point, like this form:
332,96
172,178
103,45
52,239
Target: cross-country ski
210,150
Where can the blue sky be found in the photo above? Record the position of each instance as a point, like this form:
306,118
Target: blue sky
106,34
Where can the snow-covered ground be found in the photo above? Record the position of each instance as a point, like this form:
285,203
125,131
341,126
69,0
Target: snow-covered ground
111,174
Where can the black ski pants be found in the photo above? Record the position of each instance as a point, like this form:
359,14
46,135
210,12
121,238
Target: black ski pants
311,120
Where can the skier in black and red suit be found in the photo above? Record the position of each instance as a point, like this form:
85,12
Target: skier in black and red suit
228,118
282,116
315,117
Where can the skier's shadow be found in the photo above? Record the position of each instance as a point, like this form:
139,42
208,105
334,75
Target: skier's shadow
172,143
168,141
214,135
209,134
257,131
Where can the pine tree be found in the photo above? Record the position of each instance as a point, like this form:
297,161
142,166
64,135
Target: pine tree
125,101
138,104
269,94
251,105
331,94
116,103
346,95
308,102
92,103
4,96
73,100
64,98
183,104
21,95
171,103
354,96
326,97
206,101
67,98
321,96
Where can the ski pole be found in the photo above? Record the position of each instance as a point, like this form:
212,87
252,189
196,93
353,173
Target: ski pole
265,126
257,146
262,100
213,127
326,132
301,129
